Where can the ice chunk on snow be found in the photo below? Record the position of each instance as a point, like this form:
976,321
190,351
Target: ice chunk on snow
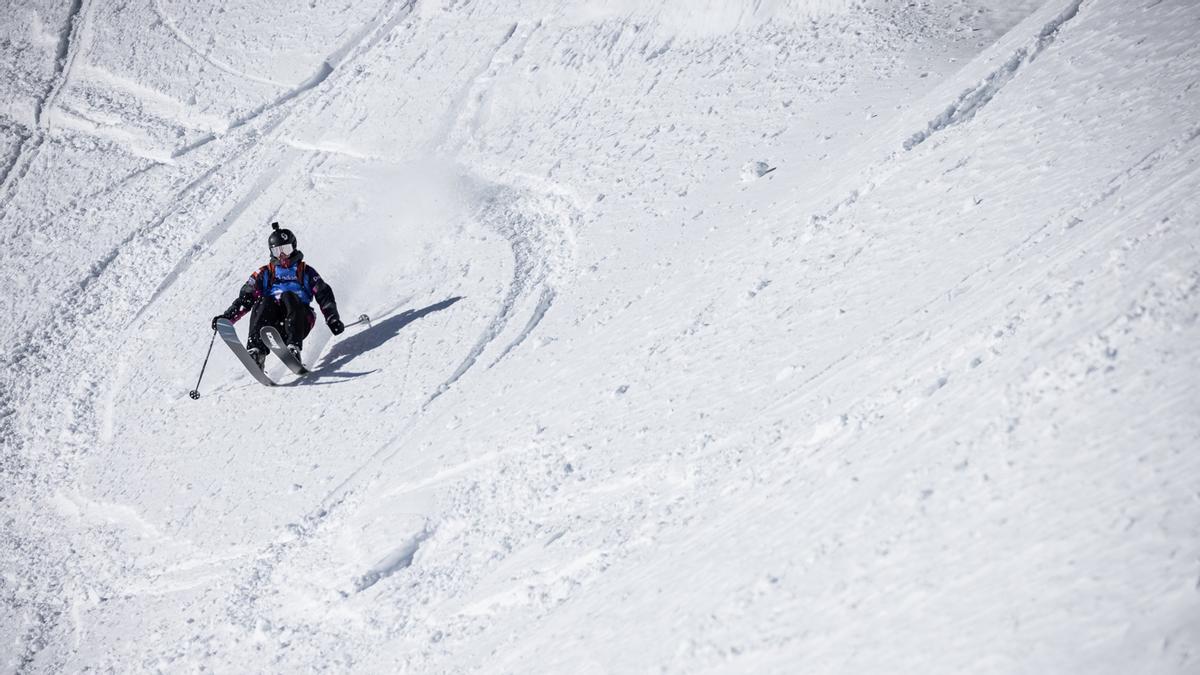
755,170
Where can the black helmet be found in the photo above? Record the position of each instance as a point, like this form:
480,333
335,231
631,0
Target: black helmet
281,242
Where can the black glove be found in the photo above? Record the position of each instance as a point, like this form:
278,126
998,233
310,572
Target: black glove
216,318
335,325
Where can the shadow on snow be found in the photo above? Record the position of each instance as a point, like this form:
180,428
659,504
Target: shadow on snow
380,332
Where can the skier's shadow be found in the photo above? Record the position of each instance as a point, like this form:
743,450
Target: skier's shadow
347,350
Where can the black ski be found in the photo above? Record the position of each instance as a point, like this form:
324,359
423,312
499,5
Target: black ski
230,336
271,337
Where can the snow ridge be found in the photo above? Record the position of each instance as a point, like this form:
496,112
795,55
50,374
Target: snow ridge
970,102
64,57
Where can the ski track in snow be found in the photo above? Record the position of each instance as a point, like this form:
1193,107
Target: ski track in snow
360,43
23,136
536,228
29,147
178,34
470,100
541,257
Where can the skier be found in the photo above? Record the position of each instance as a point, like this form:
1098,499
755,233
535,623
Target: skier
278,294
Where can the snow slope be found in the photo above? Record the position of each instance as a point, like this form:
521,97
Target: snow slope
727,336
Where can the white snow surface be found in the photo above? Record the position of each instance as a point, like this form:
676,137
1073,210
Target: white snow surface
718,336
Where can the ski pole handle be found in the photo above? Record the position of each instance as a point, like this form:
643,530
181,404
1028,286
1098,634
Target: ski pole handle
195,393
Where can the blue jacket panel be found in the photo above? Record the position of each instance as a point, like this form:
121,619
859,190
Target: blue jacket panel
283,279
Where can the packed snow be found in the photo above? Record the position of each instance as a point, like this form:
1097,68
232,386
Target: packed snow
823,336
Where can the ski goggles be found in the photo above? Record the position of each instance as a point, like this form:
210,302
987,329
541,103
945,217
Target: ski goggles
283,250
